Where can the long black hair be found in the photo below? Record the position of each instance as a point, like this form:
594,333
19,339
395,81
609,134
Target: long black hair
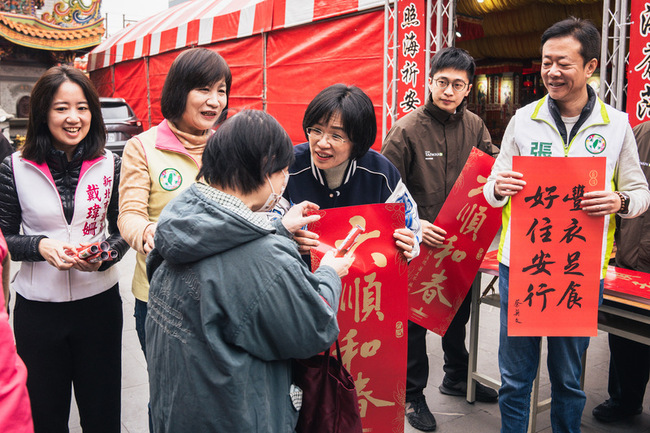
38,139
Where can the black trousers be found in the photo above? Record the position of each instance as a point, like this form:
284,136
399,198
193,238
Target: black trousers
72,343
629,369
456,356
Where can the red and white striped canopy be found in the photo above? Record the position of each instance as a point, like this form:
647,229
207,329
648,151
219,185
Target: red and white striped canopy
202,22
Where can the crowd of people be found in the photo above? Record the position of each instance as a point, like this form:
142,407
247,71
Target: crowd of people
218,212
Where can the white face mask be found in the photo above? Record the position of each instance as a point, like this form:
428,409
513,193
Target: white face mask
274,198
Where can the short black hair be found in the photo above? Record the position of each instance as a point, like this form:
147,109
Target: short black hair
38,138
244,150
453,58
192,69
356,110
583,30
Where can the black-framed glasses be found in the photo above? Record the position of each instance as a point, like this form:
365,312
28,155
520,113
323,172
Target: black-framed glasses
458,86
317,134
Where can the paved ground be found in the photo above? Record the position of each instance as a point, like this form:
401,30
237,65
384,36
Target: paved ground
454,414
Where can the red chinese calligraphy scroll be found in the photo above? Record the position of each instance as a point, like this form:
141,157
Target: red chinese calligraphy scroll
555,248
439,278
628,284
411,59
372,310
638,70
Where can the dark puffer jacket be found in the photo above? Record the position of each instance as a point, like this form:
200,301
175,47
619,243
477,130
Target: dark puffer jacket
66,176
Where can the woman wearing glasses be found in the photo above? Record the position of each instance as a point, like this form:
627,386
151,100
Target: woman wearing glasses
337,168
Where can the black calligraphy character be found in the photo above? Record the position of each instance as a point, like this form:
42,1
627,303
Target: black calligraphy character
410,17
410,101
550,197
541,292
538,198
644,28
410,45
545,232
529,297
643,106
540,263
531,230
577,192
573,296
572,232
572,264
645,63
410,73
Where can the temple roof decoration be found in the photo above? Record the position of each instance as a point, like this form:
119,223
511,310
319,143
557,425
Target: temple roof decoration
23,7
73,13
31,32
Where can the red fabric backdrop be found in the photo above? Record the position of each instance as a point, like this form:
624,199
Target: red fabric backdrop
300,61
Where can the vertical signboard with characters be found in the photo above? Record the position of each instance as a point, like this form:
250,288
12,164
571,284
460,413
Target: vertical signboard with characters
411,35
638,72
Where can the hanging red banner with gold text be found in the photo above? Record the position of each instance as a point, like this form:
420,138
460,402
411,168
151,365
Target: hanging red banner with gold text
439,278
411,57
555,260
372,312
638,69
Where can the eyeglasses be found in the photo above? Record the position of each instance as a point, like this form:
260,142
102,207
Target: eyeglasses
458,86
317,134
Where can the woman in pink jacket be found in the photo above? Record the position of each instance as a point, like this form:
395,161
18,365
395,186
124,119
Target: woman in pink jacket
15,413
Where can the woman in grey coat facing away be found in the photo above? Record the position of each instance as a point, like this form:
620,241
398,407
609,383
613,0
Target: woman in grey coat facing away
231,301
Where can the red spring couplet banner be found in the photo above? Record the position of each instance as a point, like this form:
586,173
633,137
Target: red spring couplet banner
372,312
638,70
628,284
555,248
439,278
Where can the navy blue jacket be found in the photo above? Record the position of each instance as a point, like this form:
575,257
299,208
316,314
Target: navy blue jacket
370,179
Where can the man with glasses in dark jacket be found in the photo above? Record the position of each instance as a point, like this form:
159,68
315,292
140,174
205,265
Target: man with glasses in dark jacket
430,147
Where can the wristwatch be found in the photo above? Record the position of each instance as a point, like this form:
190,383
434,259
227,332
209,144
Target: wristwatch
625,202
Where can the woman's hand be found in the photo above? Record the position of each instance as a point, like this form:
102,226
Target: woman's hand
405,241
432,235
508,183
340,264
297,217
147,240
306,240
54,252
600,203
